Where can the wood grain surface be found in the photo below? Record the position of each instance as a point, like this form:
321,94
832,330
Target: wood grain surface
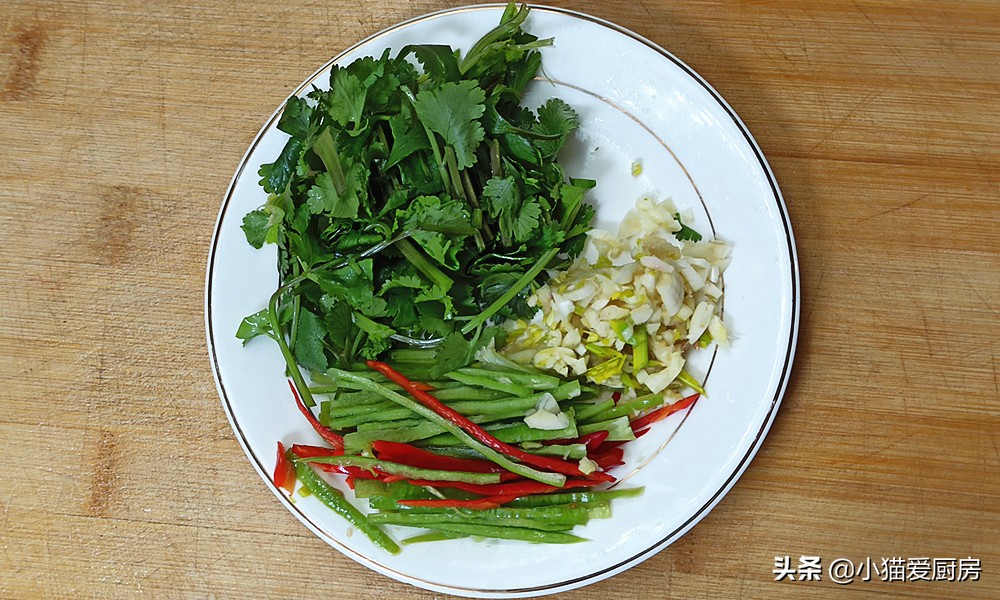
121,124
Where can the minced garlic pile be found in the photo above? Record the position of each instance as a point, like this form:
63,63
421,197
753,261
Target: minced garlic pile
627,310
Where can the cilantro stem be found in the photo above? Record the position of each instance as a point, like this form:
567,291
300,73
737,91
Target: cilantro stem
470,192
417,259
451,164
326,148
510,22
513,291
279,336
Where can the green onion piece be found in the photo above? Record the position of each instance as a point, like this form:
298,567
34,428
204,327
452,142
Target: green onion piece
686,378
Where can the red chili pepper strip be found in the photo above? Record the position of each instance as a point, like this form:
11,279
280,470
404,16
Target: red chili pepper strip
477,432
413,456
332,438
355,472
307,451
593,440
515,488
478,504
284,471
642,423
426,387
609,458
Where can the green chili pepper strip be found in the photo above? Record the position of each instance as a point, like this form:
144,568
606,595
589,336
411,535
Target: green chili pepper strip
575,497
433,536
333,498
505,533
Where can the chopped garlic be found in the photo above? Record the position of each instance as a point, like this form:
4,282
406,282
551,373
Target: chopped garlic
642,279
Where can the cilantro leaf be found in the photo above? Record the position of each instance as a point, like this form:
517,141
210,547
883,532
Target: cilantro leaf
309,336
685,232
379,335
440,62
346,101
551,236
456,352
555,117
411,282
274,177
337,192
323,198
526,220
407,137
452,111
256,226
517,218
262,226
341,329
254,325
495,285
353,284
444,223
296,117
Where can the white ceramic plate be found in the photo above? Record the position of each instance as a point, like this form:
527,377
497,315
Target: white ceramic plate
637,102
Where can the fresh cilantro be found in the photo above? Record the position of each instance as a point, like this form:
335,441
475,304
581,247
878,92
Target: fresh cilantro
440,63
555,118
416,197
526,220
685,232
309,336
442,225
253,325
517,218
324,198
378,335
295,119
274,177
256,226
346,102
407,137
452,111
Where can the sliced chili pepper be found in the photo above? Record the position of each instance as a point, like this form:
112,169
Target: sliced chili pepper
307,451
593,440
284,471
514,488
332,437
477,432
413,456
616,396
641,425
609,458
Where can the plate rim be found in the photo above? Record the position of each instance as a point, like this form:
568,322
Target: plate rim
709,504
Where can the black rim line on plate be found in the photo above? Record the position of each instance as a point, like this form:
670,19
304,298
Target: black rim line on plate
741,466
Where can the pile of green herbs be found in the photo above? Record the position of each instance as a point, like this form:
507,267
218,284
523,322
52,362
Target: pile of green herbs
415,202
